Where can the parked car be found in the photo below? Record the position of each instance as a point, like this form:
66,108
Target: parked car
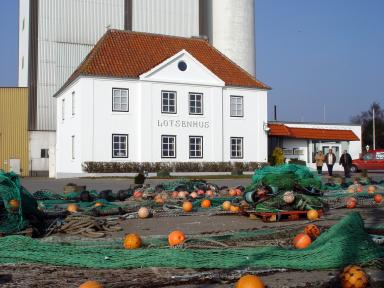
372,160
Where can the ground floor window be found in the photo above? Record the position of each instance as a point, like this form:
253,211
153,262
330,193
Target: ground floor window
119,146
44,153
195,147
236,147
168,146
73,146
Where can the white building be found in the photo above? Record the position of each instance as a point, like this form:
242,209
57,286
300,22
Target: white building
56,35
151,98
302,140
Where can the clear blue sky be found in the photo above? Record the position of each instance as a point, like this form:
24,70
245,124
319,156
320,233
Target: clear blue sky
312,52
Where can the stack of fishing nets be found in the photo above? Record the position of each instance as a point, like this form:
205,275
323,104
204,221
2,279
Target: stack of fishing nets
276,181
286,176
343,244
16,204
89,202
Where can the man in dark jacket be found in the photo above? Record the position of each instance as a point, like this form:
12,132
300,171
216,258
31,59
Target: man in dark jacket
330,160
346,161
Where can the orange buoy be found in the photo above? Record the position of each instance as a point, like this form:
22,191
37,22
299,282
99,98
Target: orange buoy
312,231
132,241
378,198
205,203
234,209
91,284
351,203
302,241
312,215
176,237
250,281
14,204
371,189
232,192
98,204
72,208
187,206
353,276
226,205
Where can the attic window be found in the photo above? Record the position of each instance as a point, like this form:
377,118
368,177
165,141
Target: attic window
182,66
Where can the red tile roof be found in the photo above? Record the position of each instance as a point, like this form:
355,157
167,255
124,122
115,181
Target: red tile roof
127,54
278,130
311,133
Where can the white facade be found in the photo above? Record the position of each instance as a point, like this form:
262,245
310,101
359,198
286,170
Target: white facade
304,149
86,135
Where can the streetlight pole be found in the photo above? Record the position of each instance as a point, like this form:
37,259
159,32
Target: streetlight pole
374,128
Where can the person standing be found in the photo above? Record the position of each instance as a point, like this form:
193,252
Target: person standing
330,159
346,162
319,158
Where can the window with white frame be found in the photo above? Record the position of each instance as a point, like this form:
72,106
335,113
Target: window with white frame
119,146
73,103
73,146
63,109
236,147
120,100
237,106
195,103
168,146
195,147
168,102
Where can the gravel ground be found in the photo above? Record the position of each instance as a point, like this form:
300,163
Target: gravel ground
53,276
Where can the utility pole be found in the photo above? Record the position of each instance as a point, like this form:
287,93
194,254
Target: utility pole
374,128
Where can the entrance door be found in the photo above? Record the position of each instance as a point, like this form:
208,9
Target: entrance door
14,166
335,149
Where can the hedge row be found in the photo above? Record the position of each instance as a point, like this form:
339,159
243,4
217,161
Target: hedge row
134,167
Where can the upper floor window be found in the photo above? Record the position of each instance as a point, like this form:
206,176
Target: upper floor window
237,147
119,146
168,146
237,106
63,109
195,147
195,103
73,103
23,25
168,102
120,100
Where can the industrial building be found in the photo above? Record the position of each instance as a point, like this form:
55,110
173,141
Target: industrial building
55,36
140,97
14,130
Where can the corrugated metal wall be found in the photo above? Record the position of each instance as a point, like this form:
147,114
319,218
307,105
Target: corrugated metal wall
171,17
14,127
67,32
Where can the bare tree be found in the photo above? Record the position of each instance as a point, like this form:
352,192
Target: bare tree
365,119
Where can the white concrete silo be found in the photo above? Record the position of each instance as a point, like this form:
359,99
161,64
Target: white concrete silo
232,31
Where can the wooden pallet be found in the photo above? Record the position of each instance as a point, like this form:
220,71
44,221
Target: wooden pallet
281,216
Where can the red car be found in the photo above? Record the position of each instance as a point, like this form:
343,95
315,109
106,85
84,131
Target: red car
372,160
